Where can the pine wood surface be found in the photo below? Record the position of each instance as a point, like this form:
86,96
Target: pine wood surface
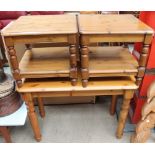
42,24
112,24
45,62
59,88
48,85
111,60
89,12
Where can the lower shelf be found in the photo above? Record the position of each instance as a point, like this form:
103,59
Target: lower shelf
45,62
111,61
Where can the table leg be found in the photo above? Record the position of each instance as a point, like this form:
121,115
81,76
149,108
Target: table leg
128,94
41,107
113,105
15,65
143,58
84,65
73,64
6,134
32,116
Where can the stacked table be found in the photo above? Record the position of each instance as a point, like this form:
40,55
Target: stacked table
115,61
42,71
112,61
59,30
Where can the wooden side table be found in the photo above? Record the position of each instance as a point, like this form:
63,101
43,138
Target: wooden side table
56,88
112,28
29,30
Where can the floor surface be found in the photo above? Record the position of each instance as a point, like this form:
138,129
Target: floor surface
80,123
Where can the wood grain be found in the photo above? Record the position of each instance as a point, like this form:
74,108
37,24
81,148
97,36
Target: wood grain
111,24
48,85
111,61
52,88
42,24
45,62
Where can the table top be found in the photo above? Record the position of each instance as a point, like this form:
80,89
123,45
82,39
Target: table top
41,25
112,24
63,85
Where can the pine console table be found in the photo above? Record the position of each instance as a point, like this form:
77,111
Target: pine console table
32,88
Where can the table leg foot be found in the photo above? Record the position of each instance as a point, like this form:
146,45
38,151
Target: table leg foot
119,136
74,82
84,83
35,126
38,139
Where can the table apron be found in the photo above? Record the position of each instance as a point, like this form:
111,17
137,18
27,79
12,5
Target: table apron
70,39
77,93
87,39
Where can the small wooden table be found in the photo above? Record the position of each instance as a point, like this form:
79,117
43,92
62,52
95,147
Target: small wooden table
60,88
112,28
54,29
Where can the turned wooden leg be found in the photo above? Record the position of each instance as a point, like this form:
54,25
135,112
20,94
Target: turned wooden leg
32,116
41,107
84,65
84,83
73,64
14,65
142,63
6,134
74,82
113,104
128,94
